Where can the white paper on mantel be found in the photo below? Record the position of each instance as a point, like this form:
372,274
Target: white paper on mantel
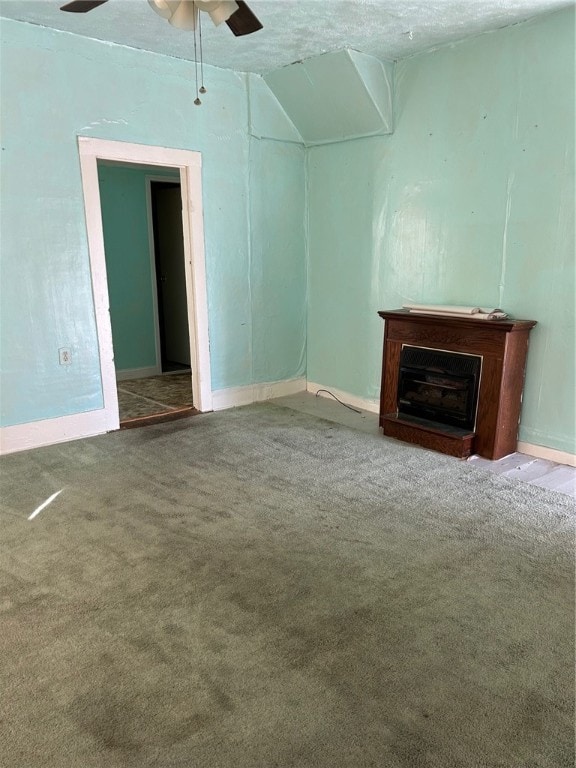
457,311
447,308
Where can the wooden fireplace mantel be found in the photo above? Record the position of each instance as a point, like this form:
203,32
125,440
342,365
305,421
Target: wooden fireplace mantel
503,346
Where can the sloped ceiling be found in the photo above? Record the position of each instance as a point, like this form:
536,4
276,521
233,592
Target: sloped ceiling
336,96
293,29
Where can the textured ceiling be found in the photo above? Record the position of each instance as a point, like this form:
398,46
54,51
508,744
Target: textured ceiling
293,29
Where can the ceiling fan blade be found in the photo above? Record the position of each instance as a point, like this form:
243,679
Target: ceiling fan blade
243,21
82,6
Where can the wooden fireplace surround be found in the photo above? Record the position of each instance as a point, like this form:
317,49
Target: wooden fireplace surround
503,346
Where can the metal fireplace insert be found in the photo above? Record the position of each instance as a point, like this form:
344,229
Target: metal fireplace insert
439,386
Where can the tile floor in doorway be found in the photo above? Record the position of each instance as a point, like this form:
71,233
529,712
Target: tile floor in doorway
138,398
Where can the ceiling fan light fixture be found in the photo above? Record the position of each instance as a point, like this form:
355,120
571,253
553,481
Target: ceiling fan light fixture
183,14
219,11
162,8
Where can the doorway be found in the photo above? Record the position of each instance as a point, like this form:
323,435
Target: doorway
168,246
188,166
164,391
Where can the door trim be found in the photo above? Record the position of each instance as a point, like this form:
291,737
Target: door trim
189,164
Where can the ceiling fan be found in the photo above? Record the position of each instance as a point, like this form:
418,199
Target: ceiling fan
184,13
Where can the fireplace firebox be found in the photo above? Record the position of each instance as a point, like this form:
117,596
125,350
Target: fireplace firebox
439,386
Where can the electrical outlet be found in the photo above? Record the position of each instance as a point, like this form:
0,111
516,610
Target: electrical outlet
65,356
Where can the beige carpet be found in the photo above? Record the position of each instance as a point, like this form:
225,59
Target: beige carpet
259,588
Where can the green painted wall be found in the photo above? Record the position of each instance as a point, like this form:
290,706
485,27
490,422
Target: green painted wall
128,263
470,201
63,86
278,282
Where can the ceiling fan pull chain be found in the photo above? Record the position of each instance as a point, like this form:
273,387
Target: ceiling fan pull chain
202,89
197,99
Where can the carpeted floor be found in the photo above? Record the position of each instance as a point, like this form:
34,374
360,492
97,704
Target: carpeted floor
258,588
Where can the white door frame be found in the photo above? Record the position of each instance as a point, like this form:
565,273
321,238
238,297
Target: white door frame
190,165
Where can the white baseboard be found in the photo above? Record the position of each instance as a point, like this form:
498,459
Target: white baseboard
538,451
357,402
551,454
138,373
37,434
232,397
